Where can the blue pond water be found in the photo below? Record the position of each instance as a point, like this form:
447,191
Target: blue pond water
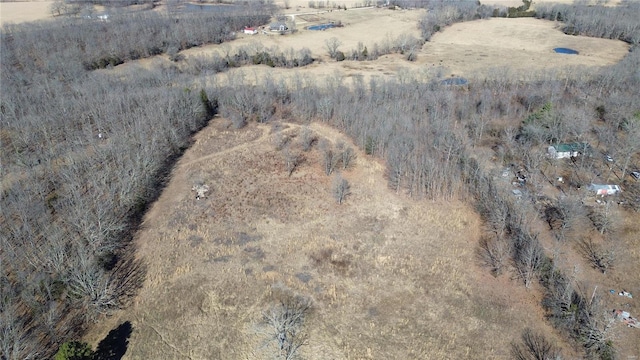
565,51
321,27
454,81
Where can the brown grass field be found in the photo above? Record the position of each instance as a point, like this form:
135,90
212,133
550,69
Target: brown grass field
390,277
514,48
23,11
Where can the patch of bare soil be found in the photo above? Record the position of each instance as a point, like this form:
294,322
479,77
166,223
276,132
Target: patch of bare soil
389,277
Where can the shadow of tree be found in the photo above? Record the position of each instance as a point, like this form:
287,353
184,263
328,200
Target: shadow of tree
114,345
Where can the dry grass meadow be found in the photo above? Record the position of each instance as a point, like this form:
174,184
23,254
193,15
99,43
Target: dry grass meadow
389,277
23,11
497,47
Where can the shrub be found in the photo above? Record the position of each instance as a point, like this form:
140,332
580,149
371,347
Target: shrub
74,350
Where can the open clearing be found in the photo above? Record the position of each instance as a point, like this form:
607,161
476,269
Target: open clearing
514,48
17,12
390,277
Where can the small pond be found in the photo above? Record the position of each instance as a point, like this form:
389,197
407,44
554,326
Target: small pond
321,27
561,50
454,81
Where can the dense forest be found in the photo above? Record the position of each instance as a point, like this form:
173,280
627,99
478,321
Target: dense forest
84,152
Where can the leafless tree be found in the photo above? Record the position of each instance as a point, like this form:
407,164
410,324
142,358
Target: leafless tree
332,45
528,256
280,139
347,155
307,138
341,188
534,346
292,159
285,322
330,157
602,218
494,252
601,257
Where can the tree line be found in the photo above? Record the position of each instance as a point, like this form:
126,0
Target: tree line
83,154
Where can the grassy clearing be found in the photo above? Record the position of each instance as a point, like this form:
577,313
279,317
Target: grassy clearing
388,277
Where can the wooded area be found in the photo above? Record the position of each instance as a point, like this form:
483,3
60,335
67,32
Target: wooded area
85,152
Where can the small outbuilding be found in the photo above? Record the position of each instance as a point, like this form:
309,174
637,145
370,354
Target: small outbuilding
564,151
604,189
250,31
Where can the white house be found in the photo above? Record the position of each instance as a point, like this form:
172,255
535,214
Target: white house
278,26
604,189
250,31
565,151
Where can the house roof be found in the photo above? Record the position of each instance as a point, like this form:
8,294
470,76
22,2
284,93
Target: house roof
572,147
604,187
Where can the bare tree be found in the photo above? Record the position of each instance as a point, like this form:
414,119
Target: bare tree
284,322
58,7
330,157
599,256
347,155
280,139
494,252
534,346
341,188
292,159
307,138
332,45
528,256
602,218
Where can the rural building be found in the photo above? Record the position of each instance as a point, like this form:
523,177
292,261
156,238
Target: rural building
250,31
563,151
604,189
278,26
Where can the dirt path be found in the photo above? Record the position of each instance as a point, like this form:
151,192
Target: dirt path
242,146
